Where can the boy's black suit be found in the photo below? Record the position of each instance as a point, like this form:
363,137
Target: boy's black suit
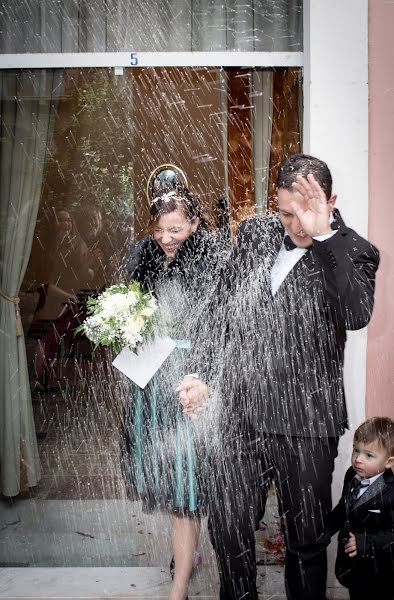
371,519
282,389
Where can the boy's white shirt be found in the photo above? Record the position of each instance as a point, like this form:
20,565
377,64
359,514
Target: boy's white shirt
364,486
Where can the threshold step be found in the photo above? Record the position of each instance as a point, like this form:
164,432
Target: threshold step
95,583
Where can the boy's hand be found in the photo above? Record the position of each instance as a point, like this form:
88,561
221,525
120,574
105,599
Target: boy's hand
351,547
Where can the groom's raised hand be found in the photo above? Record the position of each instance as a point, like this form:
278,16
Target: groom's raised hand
193,394
312,209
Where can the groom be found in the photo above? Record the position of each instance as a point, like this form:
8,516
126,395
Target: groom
295,283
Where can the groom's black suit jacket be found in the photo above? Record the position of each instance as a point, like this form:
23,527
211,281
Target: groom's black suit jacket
371,519
282,368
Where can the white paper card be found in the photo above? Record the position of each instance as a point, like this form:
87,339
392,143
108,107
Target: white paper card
140,366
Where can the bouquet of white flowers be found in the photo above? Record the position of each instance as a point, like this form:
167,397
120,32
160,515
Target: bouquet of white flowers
121,316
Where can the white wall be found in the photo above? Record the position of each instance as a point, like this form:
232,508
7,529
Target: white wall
336,130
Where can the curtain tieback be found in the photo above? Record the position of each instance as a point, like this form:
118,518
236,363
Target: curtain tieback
18,321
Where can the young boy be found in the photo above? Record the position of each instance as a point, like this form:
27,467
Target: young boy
364,515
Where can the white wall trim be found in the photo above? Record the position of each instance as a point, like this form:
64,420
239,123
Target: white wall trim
150,59
120,60
336,130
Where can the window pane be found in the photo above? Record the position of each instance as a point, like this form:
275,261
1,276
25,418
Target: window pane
154,26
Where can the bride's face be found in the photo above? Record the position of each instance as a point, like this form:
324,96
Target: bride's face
172,229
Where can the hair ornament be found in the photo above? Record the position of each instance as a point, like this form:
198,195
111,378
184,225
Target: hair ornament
165,197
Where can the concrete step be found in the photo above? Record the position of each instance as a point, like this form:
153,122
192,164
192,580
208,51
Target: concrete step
119,583
96,583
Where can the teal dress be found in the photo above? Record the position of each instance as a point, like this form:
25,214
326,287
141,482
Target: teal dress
164,467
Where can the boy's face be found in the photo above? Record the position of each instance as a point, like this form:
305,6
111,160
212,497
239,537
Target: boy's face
370,459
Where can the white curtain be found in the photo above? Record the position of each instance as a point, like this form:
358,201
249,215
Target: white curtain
262,132
27,102
150,26
223,117
262,112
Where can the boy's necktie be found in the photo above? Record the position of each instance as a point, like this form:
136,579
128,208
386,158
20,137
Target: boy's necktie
356,485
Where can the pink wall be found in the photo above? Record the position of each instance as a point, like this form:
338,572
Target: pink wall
380,351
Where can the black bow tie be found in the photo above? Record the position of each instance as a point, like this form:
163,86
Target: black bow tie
290,245
288,242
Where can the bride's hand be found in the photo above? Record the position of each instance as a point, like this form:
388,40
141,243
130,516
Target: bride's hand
193,395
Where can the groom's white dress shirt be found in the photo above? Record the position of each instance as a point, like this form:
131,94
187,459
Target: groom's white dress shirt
287,259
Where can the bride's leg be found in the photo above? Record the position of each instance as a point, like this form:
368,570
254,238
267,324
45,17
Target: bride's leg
185,539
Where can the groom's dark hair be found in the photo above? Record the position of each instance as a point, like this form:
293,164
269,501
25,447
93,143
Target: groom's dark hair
303,164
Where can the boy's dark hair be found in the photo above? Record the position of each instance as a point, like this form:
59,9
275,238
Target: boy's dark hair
380,429
303,164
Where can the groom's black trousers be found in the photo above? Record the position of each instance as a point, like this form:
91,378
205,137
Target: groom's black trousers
302,471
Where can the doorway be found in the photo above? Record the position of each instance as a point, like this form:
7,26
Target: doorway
227,130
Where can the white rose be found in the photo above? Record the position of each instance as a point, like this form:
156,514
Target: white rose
132,331
115,304
150,308
132,298
134,325
148,311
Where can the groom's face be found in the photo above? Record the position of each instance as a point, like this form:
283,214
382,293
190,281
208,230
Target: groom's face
290,222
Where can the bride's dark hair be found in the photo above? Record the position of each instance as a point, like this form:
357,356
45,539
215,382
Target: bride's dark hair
178,198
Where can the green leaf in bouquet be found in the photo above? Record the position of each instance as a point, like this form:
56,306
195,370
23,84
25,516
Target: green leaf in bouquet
79,329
